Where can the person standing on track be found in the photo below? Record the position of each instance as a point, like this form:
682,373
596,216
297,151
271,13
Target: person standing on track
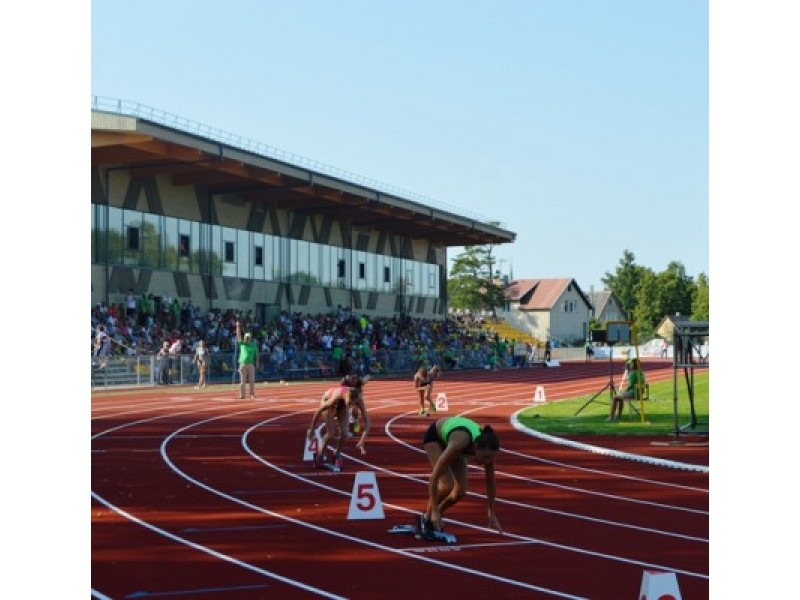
449,443
423,384
201,360
248,362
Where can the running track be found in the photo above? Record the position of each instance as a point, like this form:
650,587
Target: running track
201,495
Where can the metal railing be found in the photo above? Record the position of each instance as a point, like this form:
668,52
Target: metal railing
148,370
162,117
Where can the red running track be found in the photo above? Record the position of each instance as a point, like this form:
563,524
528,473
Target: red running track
201,495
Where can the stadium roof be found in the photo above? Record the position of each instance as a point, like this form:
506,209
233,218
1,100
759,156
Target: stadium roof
238,166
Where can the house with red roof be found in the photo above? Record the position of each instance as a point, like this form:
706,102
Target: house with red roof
554,309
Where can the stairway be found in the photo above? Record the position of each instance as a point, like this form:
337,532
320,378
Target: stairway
509,332
122,371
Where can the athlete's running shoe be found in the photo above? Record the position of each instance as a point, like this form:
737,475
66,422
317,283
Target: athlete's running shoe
426,530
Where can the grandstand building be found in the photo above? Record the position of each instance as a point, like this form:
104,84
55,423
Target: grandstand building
184,210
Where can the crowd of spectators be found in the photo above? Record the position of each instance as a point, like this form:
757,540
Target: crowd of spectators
141,326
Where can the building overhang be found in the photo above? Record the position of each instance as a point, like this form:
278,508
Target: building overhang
149,148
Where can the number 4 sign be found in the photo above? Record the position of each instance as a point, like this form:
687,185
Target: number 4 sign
312,445
365,502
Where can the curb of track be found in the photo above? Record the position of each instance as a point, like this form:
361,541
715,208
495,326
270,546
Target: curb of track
604,451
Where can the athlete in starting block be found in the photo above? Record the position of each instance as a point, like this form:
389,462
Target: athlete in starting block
450,443
357,408
333,410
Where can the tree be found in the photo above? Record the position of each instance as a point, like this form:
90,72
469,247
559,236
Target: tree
471,284
624,282
648,311
675,290
700,304
667,293
647,297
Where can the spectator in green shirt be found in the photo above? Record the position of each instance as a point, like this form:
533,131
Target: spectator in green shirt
633,386
248,362
337,354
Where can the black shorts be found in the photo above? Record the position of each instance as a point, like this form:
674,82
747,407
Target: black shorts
431,435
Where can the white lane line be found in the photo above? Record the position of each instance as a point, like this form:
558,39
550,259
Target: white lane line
460,547
498,500
332,532
191,544
477,527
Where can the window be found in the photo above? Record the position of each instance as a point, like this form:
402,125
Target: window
133,238
160,242
183,246
431,280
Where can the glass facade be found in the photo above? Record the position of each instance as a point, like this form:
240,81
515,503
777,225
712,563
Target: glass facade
145,240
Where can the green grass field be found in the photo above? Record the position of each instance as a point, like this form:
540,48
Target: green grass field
659,417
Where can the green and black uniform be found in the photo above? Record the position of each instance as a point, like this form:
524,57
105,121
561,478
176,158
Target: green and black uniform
449,426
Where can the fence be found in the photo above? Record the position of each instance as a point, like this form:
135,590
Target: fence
148,370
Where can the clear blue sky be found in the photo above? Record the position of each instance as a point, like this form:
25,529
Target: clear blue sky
580,125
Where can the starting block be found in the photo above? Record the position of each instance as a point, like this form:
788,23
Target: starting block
658,585
439,536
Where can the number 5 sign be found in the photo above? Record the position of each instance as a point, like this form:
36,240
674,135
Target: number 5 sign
365,502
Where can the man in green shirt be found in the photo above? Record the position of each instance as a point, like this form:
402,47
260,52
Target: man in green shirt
248,362
337,356
633,389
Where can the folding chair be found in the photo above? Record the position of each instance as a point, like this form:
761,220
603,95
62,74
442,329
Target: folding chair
633,407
